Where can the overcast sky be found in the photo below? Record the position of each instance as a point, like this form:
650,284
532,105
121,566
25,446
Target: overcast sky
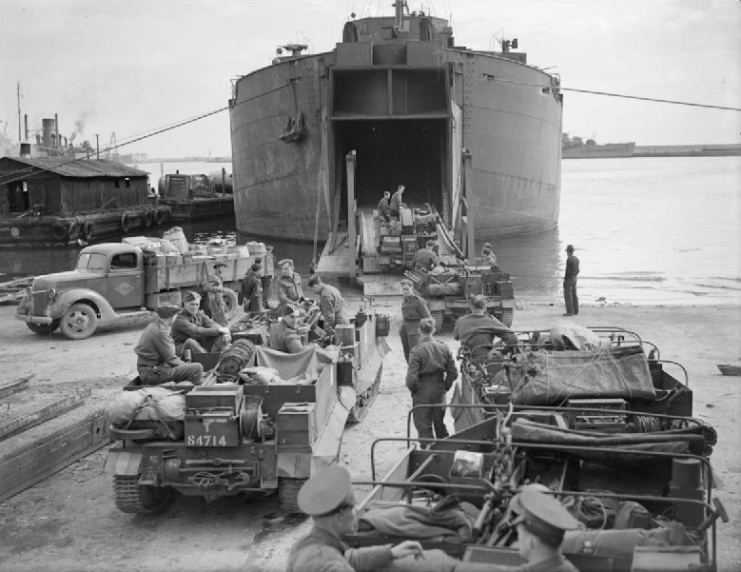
130,66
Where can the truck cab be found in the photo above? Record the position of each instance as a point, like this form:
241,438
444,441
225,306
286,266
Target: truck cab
107,278
115,271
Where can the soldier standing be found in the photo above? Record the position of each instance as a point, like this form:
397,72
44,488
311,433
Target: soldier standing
329,499
413,309
290,291
214,288
430,375
396,201
331,303
252,292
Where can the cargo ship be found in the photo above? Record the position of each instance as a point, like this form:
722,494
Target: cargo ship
410,103
578,148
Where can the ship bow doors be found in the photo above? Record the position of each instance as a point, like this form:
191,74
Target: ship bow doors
397,121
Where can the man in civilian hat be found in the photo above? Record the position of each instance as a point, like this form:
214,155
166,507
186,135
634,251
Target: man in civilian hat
541,523
194,330
157,361
328,498
214,289
289,289
331,303
569,282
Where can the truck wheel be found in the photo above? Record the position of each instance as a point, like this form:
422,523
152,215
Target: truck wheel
288,494
132,497
79,322
43,329
439,317
230,302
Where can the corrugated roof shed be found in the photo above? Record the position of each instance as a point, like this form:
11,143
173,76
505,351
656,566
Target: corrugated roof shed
81,168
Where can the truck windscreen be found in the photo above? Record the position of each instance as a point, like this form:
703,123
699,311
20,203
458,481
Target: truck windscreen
91,262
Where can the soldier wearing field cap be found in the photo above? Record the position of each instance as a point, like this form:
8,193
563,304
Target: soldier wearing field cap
328,498
289,289
156,359
194,330
541,523
214,289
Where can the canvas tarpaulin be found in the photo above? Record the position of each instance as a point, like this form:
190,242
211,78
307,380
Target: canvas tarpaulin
304,366
551,378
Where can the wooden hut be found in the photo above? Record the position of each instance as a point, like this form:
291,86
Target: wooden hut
58,200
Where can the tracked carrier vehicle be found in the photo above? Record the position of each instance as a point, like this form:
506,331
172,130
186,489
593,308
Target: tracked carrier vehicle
243,432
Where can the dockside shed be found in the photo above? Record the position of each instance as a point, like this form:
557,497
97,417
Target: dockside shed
59,186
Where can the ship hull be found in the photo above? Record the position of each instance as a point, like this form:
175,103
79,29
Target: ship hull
294,188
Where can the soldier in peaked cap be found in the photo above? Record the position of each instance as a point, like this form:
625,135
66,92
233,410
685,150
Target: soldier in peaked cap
541,522
328,498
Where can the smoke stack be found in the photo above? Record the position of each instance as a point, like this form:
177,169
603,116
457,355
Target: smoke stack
56,129
25,122
47,126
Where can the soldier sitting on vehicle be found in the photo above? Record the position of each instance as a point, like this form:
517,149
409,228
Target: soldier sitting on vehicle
157,361
328,498
425,258
477,330
284,335
194,330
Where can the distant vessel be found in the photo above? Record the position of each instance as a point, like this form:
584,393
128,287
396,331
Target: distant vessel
195,197
401,94
577,148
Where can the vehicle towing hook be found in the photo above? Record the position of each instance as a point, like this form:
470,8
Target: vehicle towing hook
719,512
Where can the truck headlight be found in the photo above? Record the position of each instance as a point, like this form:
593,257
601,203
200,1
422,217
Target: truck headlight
52,294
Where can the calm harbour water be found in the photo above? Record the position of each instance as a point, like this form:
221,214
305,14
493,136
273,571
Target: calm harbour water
647,231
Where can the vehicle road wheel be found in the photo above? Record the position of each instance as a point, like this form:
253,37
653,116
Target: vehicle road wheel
231,303
288,494
79,322
132,497
439,317
43,329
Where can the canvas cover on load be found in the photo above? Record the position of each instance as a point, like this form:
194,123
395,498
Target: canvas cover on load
551,378
303,367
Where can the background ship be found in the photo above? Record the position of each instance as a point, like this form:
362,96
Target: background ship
577,148
399,92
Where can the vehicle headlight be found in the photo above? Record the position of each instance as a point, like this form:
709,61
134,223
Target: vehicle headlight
52,294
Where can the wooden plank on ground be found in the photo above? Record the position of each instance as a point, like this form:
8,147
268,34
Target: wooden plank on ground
38,459
14,386
35,418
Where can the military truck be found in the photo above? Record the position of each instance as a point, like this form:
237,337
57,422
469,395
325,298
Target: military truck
447,293
265,430
112,282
